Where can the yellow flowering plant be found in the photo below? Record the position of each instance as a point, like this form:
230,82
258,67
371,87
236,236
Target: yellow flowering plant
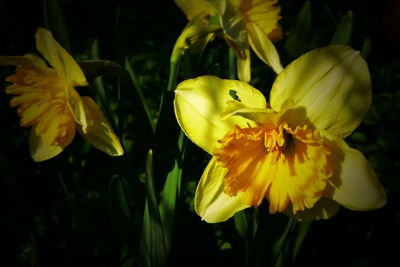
244,24
289,151
47,101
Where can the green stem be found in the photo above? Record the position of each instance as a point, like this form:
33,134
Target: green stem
173,73
232,64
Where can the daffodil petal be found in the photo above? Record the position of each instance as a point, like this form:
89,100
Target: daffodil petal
67,69
354,183
324,208
263,47
99,132
264,13
333,85
243,67
199,104
39,150
191,8
211,203
29,61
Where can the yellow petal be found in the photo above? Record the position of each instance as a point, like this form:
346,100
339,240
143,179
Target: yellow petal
354,183
324,208
99,132
263,47
67,69
199,104
31,111
39,150
332,84
261,116
264,13
194,36
192,8
77,107
211,203
243,67
27,61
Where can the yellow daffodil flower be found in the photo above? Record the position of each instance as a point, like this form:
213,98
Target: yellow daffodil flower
245,23
47,101
290,151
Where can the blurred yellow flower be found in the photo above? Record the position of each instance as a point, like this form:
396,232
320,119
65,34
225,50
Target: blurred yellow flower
245,23
48,102
290,151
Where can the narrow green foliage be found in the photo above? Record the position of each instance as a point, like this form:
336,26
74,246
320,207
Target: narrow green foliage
118,202
34,259
173,73
169,197
118,197
300,33
344,30
171,193
153,251
139,93
232,64
302,229
366,48
241,220
54,21
278,251
99,85
67,194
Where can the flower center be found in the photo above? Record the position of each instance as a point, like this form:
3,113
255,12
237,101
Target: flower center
41,102
285,166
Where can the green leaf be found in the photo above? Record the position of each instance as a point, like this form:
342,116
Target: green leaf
139,92
118,198
277,250
153,252
302,230
344,30
54,21
169,196
171,193
241,223
96,67
366,48
300,33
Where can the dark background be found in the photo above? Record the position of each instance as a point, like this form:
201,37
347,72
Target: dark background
85,208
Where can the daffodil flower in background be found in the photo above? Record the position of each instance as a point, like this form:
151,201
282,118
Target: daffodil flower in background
244,23
47,101
290,151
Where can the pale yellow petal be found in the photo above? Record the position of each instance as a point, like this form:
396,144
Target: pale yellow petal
264,13
31,111
211,203
199,104
192,8
354,183
39,150
28,61
263,47
243,67
324,208
194,36
67,69
99,131
77,108
331,83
